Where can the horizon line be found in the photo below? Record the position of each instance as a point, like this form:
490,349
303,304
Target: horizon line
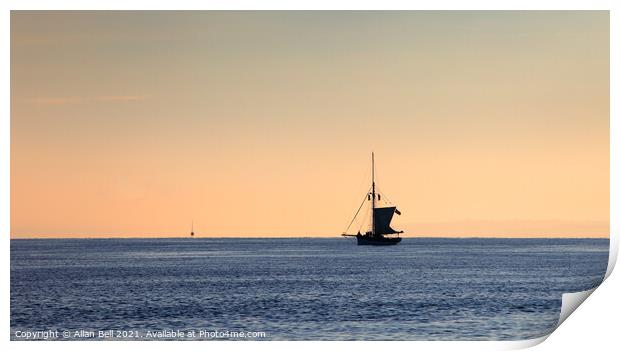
306,237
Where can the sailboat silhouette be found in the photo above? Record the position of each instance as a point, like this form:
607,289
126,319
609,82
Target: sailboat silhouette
380,232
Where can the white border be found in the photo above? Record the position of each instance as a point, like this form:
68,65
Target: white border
598,320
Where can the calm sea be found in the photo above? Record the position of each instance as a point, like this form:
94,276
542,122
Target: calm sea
298,289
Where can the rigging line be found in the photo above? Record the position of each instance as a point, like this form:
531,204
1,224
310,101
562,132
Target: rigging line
387,199
380,190
367,220
358,211
364,219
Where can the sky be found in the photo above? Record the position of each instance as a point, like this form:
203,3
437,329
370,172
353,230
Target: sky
485,123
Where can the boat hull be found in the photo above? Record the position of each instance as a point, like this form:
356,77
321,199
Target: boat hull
377,241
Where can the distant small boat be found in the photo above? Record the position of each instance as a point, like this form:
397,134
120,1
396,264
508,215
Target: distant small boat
192,233
380,232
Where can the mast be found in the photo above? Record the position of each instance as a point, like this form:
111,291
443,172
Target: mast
373,193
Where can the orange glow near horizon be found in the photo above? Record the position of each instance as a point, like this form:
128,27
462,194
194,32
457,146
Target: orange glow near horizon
261,124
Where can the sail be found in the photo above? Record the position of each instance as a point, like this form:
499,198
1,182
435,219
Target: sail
383,217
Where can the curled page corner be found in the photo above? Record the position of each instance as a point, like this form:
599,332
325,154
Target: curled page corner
570,302
613,255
